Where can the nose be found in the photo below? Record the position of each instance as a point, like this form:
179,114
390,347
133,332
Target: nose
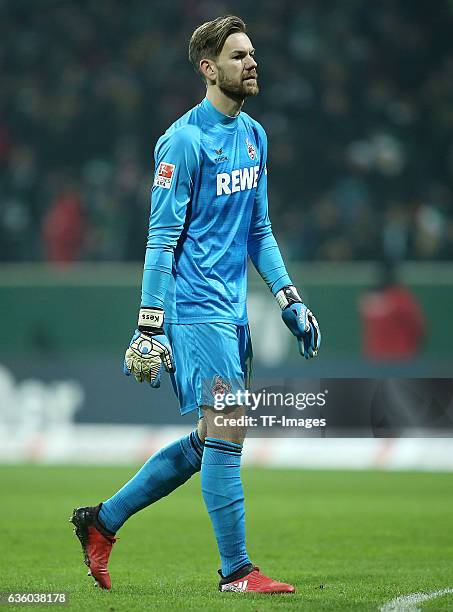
251,63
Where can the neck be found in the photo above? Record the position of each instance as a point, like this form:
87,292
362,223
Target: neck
223,103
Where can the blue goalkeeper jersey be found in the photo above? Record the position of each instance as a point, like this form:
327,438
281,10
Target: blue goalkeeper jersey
209,211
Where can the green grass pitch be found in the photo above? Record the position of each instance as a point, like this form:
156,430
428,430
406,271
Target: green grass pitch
347,540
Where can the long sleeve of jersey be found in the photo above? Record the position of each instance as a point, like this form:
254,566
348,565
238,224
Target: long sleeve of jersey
176,164
262,246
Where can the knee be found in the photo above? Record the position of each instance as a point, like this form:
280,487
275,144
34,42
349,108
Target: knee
202,429
224,425
236,435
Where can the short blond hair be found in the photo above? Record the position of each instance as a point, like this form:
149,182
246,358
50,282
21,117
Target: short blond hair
208,39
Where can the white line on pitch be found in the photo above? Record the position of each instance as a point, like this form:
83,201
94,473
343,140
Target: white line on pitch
409,602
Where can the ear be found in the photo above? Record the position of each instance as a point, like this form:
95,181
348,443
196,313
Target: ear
209,70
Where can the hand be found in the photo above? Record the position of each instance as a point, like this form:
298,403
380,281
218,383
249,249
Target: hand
149,349
300,321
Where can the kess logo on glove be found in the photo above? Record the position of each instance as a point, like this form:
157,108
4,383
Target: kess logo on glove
150,317
149,349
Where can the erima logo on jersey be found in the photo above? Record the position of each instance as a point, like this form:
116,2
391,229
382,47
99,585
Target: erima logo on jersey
164,175
238,180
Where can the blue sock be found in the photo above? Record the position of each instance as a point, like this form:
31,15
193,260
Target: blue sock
224,498
162,473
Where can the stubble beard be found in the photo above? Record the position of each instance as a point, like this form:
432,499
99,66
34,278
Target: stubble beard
235,90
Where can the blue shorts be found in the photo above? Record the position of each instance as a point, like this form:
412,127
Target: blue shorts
210,358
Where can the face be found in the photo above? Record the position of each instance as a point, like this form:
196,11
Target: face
236,67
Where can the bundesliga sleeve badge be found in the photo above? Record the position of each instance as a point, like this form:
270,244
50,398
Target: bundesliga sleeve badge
164,175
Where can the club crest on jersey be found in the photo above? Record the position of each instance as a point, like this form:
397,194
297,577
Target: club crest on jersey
164,175
220,386
250,149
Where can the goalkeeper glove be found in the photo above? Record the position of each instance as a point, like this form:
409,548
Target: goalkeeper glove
300,321
149,349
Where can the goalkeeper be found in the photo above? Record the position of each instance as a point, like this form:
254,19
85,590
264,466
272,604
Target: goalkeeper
209,213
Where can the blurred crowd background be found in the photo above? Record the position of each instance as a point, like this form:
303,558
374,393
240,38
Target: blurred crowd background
356,97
